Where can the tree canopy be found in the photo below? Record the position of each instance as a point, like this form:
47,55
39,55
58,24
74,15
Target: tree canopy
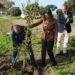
71,5
6,4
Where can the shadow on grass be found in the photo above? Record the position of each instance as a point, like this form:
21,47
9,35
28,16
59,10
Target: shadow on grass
68,59
61,60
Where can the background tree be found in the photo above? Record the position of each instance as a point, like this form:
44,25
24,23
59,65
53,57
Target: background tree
5,5
14,11
41,10
52,7
1,6
71,5
9,4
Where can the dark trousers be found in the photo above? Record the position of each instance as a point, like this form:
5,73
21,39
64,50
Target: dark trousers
47,45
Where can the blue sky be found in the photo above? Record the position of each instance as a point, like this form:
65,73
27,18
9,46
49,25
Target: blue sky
58,3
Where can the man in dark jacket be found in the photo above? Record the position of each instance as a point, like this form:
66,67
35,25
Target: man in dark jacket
18,36
65,18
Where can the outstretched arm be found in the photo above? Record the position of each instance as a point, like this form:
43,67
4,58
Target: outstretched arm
36,24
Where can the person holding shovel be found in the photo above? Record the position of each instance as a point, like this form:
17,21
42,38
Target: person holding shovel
18,36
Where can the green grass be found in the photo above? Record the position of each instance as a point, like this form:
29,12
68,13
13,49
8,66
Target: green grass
73,23
5,25
1,15
15,17
10,17
5,44
66,65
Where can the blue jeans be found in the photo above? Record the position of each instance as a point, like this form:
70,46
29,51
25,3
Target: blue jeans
29,47
31,54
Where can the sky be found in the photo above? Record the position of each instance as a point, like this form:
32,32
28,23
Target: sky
58,3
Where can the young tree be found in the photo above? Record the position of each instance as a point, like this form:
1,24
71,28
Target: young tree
31,10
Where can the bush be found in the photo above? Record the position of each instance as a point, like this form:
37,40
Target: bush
72,42
14,11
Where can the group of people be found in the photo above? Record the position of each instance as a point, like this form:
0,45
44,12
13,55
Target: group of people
52,32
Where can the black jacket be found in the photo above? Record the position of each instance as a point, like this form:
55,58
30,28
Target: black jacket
63,21
68,24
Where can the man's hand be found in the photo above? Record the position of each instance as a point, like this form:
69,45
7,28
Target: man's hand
67,21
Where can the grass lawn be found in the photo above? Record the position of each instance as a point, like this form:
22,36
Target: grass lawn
5,25
15,17
10,17
74,23
66,65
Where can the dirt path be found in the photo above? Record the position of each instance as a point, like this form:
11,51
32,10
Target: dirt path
21,22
